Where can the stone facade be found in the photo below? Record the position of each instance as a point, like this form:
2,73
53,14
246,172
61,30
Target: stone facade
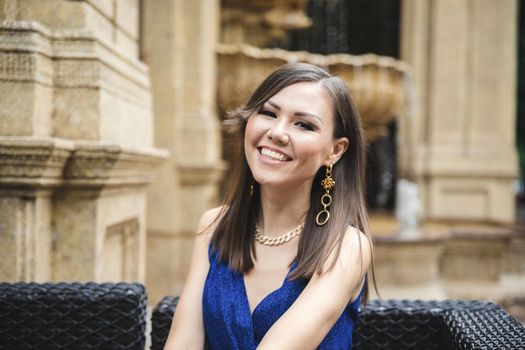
76,144
459,144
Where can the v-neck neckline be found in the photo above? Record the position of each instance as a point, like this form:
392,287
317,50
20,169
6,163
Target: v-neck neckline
245,293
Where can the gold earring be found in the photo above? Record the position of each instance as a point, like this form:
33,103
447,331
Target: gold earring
328,183
251,191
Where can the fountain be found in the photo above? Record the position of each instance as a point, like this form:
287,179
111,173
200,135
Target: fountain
378,84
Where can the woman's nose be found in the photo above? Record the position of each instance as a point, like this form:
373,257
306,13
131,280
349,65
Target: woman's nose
279,134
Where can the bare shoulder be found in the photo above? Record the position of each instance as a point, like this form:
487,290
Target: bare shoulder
356,250
208,221
210,217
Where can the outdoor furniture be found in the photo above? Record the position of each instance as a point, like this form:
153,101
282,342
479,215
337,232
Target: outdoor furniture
161,321
449,324
408,324
72,316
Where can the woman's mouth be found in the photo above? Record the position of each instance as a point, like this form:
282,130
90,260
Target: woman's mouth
273,155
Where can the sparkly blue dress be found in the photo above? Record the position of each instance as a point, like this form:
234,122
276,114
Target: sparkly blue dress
226,311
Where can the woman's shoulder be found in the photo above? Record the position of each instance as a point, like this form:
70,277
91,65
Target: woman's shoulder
205,229
355,250
353,236
210,215
209,221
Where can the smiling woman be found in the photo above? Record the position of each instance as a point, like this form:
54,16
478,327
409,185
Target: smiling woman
283,263
284,145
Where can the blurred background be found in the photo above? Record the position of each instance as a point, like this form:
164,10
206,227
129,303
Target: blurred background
111,145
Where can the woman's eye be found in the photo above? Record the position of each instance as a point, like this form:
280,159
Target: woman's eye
268,113
304,126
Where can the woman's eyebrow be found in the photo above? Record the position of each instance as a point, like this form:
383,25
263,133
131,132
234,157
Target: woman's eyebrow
301,114
306,114
274,105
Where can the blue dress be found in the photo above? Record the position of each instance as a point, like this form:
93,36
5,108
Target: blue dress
228,323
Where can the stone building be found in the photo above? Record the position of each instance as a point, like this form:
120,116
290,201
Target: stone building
111,147
76,145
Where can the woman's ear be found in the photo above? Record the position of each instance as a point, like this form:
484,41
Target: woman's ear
339,148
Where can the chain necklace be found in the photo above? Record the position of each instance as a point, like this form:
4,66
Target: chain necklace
267,240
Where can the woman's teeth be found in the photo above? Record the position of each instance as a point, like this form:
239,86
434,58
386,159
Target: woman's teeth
274,155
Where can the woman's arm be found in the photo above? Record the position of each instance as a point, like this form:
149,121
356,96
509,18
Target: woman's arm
187,328
305,324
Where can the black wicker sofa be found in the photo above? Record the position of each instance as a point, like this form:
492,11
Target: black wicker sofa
72,316
406,324
113,316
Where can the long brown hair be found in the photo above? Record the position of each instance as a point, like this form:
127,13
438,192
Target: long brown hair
234,236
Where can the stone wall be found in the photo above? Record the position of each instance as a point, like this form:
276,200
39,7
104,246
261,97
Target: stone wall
465,263
76,141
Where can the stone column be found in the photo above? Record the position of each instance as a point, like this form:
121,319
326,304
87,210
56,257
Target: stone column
178,44
75,141
461,135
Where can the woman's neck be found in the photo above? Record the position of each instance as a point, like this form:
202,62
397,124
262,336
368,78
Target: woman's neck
283,210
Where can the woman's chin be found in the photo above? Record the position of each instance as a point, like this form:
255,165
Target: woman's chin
270,182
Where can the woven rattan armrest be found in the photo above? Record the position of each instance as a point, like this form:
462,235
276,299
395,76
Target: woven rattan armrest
490,328
72,316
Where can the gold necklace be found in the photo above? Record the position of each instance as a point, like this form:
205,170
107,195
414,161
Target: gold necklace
267,240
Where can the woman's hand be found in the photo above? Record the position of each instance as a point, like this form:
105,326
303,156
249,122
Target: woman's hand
305,324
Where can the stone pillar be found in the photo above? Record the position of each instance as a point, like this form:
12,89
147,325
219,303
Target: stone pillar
76,141
178,44
461,138
25,248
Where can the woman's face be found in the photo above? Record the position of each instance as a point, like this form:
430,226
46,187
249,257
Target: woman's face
291,136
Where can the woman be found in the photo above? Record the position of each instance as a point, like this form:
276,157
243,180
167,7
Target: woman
283,263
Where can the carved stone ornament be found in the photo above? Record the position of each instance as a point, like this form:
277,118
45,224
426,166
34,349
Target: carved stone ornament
38,162
100,164
69,58
57,162
259,22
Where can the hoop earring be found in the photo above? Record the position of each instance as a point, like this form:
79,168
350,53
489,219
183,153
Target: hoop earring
328,183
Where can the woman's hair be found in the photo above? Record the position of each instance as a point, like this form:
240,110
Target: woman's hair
234,235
